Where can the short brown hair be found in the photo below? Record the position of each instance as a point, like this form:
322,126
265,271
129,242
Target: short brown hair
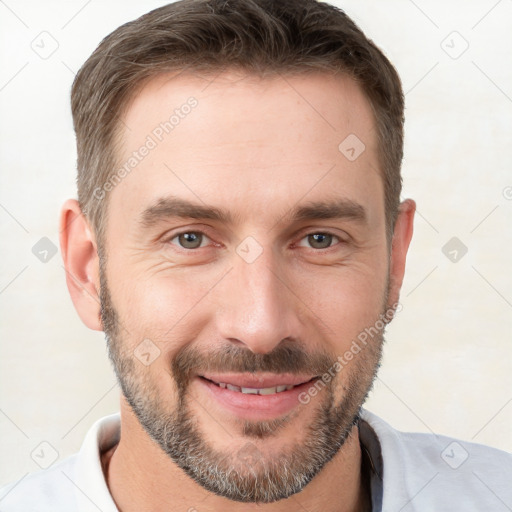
258,36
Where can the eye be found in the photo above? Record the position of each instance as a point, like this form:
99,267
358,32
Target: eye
190,239
320,240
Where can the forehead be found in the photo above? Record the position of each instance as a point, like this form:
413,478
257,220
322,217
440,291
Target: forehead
237,139
320,103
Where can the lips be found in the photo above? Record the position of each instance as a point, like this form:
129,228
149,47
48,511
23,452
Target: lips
263,384
254,397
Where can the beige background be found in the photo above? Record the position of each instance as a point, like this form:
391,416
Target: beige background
447,365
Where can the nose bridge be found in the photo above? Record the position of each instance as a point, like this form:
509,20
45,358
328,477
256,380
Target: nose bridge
258,309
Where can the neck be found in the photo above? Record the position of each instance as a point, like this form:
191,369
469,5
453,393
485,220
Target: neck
140,476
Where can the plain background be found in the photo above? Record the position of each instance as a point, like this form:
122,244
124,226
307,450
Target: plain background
447,366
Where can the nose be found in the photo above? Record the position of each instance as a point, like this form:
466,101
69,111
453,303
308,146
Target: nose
259,308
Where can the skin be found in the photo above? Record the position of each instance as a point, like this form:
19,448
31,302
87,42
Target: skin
257,148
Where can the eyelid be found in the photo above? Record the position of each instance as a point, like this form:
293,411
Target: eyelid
204,238
167,238
170,236
322,232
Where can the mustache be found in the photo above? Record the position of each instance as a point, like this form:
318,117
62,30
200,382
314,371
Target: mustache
287,357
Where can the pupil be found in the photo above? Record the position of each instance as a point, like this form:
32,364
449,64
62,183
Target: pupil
190,240
320,239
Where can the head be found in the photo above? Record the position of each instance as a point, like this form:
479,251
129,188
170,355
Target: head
239,176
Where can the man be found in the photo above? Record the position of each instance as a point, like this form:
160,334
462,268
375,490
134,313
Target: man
239,238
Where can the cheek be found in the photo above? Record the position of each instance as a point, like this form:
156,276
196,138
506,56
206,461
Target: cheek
166,308
344,300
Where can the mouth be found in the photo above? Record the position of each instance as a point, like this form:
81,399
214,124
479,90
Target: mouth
256,397
258,384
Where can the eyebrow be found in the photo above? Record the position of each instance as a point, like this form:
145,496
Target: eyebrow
170,207
175,207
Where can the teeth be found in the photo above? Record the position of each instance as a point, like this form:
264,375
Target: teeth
267,391
256,391
250,391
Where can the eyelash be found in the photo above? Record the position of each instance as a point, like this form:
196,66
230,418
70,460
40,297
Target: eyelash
328,233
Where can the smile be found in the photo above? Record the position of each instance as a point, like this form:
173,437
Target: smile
255,391
256,396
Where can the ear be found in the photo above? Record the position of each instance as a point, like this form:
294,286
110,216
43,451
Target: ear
402,235
80,254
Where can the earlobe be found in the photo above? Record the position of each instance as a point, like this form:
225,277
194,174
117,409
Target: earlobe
81,261
402,235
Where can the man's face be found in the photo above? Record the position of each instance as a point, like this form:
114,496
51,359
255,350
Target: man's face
260,293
